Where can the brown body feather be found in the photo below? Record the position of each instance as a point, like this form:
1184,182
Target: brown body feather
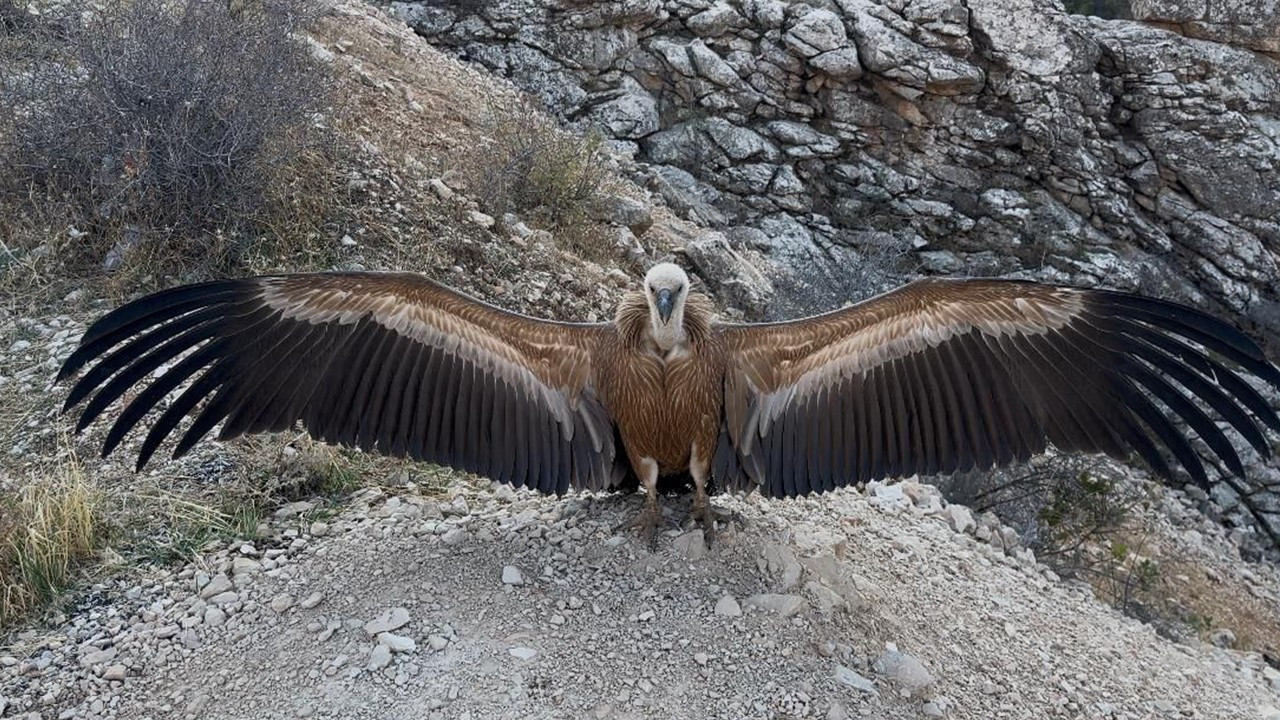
934,377
666,405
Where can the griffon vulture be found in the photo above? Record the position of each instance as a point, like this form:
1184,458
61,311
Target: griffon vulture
937,376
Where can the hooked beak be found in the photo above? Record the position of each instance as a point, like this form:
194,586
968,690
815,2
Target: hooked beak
664,305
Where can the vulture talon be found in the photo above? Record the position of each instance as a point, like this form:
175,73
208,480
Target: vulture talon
934,377
717,522
646,527
645,524
703,513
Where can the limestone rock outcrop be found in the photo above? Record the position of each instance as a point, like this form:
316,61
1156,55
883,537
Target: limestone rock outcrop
984,136
1251,24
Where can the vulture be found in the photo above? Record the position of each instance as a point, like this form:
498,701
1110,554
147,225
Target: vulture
937,376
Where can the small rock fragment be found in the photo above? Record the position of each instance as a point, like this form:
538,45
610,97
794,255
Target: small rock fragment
392,619
959,518
845,676
904,670
728,607
523,653
397,643
380,657
282,603
784,605
217,585
693,545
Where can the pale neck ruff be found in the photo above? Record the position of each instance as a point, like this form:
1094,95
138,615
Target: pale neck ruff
668,336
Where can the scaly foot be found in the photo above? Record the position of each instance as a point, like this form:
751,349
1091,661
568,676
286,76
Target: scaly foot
704,514
645,524
707,515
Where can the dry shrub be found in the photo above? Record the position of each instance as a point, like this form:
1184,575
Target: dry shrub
163,122
534,168
1087,521
1079,514
46,529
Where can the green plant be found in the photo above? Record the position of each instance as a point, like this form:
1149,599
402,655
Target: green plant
189,526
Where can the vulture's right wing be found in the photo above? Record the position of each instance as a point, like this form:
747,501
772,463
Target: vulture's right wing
941,375
389,362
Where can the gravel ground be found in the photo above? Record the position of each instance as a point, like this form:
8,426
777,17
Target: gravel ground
501,604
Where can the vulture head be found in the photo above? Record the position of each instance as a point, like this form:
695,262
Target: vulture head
666,286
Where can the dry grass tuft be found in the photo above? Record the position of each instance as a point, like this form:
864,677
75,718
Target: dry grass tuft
46,529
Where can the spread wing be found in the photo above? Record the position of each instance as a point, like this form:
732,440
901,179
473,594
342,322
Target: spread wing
943,375
389,362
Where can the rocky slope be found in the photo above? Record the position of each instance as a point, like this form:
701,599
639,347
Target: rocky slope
1253,24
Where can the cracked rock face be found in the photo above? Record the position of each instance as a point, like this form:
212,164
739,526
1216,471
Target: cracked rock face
980,136
1253,24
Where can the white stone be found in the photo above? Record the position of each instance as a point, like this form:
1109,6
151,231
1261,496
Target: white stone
392,619
784,605
693,545
959,518
218,584
523,653
380,657
281,603
845,676
397,643
728,607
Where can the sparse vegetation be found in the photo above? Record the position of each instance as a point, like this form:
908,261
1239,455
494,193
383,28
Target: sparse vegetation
1084,521
189,527
1087,521
46,529
536,169
168,131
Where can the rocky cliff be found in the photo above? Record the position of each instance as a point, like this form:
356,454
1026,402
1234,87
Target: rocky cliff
978,136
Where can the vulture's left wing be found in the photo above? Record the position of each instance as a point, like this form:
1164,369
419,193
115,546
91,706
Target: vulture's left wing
390,362
944,375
